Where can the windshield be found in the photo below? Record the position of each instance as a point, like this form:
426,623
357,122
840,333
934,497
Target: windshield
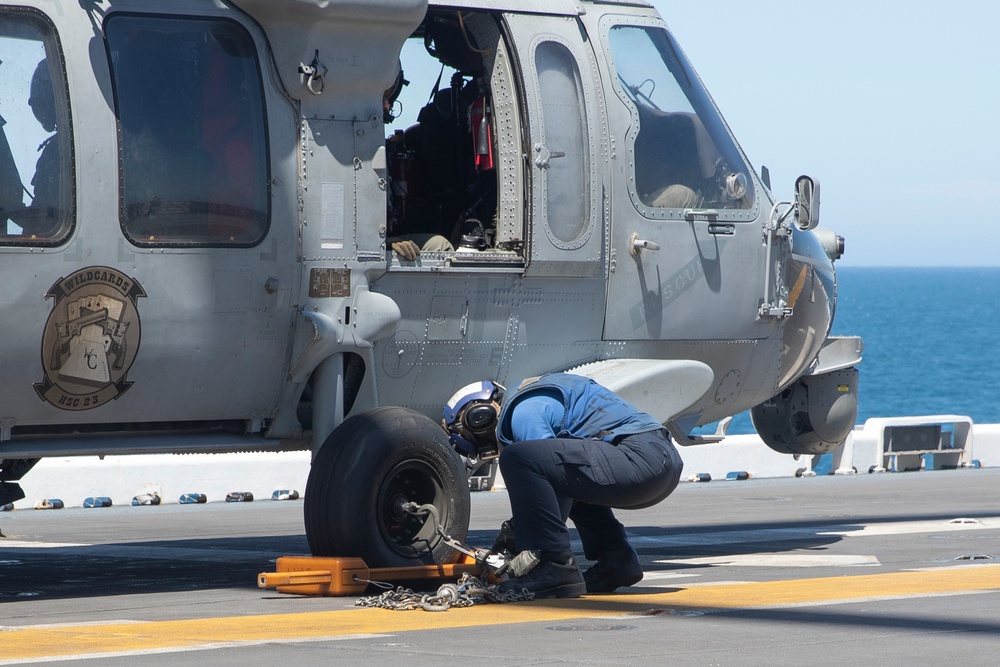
683,155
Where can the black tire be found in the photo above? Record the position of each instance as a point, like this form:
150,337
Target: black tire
371,464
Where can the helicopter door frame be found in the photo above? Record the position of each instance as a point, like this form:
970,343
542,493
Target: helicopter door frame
565,159
217,298
678,265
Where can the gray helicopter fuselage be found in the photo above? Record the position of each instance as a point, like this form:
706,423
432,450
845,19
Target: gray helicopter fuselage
215,270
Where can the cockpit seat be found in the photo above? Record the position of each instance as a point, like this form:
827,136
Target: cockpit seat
672,149
10,180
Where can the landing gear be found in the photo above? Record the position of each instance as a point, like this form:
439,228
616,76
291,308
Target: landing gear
366,471
12,470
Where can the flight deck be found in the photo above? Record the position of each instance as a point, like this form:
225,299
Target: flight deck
894,568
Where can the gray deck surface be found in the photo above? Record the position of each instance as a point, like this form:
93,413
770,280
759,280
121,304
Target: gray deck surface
913,586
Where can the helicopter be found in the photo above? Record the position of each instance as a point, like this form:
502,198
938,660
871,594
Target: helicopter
219,234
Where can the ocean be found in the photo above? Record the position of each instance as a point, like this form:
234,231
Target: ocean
931,341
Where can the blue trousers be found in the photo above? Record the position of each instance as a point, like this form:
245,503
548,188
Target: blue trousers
551,480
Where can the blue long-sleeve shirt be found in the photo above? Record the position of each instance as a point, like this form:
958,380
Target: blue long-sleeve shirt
563,405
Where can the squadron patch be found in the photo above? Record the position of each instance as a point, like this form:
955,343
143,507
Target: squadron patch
90,339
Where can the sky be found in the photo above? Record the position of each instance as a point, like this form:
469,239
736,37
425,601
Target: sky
893,105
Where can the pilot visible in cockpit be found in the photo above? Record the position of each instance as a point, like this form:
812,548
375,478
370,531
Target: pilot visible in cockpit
42,217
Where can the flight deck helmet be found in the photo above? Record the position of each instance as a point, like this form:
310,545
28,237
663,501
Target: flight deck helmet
41,98
470,418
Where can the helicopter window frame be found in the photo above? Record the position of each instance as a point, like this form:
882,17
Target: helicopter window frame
31,24
227,216
569,219
706,123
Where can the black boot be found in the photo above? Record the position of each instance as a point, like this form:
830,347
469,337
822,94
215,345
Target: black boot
615,568
555,576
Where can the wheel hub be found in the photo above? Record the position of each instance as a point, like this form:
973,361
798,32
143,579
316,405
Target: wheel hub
410,481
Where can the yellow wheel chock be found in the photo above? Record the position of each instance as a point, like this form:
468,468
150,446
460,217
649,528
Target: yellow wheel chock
315,575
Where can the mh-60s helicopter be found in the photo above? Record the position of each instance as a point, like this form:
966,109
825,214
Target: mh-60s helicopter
213,240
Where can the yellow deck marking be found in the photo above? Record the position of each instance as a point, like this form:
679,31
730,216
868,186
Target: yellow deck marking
83,640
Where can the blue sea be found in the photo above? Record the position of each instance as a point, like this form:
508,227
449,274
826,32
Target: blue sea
932,341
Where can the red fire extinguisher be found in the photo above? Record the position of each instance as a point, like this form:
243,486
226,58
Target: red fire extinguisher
482,132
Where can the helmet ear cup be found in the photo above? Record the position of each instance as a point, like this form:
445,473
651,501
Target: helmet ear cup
475,426
480,417
470,417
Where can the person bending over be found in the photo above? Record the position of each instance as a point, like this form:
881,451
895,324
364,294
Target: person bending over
569,448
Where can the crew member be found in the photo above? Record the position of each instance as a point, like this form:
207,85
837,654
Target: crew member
43,217
569,448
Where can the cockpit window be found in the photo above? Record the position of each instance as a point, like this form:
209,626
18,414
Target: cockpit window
36,156
684,157
192,129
